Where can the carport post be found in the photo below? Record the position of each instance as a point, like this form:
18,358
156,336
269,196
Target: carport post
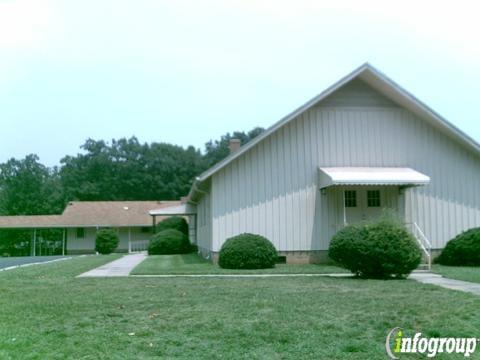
154,223
34,241
129,240
63,242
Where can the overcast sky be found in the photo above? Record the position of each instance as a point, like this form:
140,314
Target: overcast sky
184,72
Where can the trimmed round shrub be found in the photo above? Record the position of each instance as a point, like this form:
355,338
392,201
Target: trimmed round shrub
168,242
247,251
463,250
106,241
376,250
174,222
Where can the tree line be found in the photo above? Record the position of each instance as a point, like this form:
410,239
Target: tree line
123,169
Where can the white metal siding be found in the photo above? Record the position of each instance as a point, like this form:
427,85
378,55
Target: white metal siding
204,223
88,242
272,189
136,234
357,93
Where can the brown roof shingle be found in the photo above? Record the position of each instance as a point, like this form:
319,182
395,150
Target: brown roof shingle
92,214
29,221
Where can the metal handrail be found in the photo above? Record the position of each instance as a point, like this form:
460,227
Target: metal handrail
422,240
429,245
138,245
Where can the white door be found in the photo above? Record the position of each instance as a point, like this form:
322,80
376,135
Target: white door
362,204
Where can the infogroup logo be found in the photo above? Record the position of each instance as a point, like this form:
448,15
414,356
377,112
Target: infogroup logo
397,343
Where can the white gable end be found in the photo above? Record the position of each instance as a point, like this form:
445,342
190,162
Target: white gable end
273,188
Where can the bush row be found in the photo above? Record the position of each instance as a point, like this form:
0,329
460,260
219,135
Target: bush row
377,249
171,238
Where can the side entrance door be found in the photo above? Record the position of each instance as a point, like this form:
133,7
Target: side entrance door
362,203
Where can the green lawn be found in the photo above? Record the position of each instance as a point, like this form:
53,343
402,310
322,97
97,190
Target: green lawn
194,264
47,313
466,273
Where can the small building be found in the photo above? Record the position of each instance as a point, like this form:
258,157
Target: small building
80,221
362,145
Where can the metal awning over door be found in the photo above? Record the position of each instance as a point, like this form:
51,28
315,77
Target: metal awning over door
393,176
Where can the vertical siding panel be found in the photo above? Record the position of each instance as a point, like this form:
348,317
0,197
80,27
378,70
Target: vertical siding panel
261,188
267,158
263,196
296,155
308,166
229,195
326,139
276,171
312,240
244,195
284,189
287,221
256,190
250,194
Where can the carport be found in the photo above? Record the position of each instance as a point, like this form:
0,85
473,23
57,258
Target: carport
37,226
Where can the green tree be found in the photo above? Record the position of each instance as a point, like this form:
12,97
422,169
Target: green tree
124,169
217,150
29,188
129,170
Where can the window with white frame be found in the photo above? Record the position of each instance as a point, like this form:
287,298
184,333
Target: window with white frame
373,198
350,198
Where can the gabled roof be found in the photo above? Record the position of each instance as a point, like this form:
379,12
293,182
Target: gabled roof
29,221
112,213
92,214
378,81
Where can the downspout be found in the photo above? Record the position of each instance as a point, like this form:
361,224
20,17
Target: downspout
195,187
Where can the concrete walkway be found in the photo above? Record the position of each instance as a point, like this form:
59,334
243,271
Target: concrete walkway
435,279
120,267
